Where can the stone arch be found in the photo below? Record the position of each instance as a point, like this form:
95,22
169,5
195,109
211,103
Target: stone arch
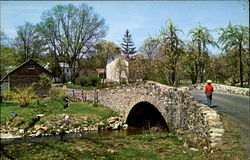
146,115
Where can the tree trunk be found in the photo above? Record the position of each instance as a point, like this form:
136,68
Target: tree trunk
1,99
198,66
194,74
103,76
201,72
173,75
73,72
193,79
241,66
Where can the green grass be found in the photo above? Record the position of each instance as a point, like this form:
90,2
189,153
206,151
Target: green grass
136,147
52,110
23,119
88,109
183,82
26,114
159,80
244,85
153,146
75,86
48,106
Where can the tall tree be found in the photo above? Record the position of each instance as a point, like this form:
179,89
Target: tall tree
190,61
104,51
27,43
7,57
201,38
171,48
128,44
71,32
3,39
235,37
150,47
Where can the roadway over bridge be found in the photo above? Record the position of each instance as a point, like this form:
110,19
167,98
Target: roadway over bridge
150,103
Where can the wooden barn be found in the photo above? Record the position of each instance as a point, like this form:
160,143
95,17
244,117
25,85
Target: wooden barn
25,75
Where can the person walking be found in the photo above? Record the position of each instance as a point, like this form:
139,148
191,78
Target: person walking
209,89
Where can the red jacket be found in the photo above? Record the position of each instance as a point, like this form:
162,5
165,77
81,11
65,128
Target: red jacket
209,89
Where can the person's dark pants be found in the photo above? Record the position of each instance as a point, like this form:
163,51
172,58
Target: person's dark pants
209,99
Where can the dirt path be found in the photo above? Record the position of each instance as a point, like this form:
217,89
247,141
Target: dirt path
235,106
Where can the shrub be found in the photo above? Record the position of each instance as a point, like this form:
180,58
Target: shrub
56,92
91,80
21,96
95,80
158,79
45,81
83,81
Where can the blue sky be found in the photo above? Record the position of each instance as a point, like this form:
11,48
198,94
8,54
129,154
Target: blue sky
142,18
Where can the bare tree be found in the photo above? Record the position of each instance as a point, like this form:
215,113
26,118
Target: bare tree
150,47
27,43
71,32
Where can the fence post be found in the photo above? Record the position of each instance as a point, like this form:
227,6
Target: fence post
73,94
96,96
82,96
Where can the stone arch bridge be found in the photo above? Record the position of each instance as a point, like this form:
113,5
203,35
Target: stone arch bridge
175,109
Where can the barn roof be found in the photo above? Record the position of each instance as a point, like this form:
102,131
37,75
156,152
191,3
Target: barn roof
47,71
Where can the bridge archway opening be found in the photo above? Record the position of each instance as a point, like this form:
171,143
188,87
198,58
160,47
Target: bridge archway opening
145,115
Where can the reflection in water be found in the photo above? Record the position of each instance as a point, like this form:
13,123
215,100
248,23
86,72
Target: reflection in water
124,132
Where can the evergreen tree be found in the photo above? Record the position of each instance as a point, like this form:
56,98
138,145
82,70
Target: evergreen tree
128,44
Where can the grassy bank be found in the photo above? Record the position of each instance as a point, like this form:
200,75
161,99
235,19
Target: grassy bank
25,115
53,111
75,86
147,146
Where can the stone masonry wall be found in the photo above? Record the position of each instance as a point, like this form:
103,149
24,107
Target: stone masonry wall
220,88
181,112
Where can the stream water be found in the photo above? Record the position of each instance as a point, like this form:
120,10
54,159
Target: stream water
123,132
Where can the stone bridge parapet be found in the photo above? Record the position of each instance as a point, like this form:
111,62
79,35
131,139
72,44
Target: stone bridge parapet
181,113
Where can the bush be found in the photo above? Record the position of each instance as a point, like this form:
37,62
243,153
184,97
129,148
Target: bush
45,81
158,79
22,96
91,80
83,81
57,92
95,80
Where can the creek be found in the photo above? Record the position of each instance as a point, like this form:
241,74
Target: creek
82,135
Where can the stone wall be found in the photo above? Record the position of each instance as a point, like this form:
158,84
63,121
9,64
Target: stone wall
220,88
181,113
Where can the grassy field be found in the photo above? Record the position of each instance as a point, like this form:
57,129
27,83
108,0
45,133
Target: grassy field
81,111
154,146
52,109
25,115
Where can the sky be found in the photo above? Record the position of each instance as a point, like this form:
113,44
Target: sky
141,18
